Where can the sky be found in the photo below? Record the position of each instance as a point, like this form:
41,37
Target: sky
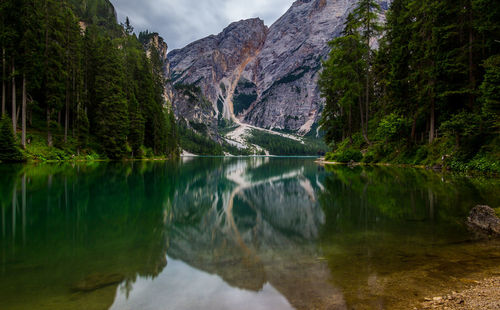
181,22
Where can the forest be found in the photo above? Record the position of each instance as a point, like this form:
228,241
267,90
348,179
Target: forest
76,84
420,87
282,146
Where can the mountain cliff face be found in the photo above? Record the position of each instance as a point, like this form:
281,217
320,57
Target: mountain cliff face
264,77
286,71
154,42
216,63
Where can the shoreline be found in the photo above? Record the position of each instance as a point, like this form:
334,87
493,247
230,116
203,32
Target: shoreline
322,162
479,294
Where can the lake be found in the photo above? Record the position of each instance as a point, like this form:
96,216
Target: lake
236,233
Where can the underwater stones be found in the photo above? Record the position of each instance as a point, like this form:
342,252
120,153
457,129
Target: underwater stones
482,219
97,281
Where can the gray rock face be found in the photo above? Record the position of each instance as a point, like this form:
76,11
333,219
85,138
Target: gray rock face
192,107
215,63
286,70
266,77
158,43
484,220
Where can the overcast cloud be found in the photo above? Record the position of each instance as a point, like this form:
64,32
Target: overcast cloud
181,22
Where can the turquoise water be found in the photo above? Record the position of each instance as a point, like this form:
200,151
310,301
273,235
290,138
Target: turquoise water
236,233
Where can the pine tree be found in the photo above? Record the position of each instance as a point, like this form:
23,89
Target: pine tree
55,75
111,114
128,26
490,94
82,128
136,134
9,152
341,82
366,20
31,51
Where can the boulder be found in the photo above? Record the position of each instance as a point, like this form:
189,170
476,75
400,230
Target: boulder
483,219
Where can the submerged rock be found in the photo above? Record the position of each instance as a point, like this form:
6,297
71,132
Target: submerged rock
97,281
483,219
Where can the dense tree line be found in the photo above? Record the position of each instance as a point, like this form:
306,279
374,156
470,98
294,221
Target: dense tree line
428,89
281,146
70,71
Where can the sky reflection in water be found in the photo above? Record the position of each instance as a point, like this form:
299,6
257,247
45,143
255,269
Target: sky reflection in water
250,233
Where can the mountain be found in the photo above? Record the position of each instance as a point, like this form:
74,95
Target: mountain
212,67
259,76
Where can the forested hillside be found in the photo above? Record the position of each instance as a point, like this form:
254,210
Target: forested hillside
427,93
76,84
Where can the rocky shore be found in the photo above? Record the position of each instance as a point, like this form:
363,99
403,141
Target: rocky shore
483,295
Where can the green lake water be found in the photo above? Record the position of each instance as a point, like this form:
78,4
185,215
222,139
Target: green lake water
236,233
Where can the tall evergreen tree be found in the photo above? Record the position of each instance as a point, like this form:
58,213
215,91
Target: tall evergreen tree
73,66
9,151
341,82
111,110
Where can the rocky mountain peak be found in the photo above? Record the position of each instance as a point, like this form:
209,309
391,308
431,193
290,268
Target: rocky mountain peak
215,64
265,77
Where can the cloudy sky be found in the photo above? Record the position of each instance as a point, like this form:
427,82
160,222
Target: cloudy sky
181,22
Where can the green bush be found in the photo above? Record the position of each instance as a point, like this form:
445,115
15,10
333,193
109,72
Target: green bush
391,127
330,156
346,156
9,152
484,164
369,157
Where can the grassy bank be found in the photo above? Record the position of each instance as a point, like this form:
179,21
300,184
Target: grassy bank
37,150
442,154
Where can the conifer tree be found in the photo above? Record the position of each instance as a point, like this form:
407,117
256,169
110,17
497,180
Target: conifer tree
9,152
111,104
341,81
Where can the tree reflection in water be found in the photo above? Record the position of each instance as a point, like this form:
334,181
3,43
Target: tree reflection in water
268,231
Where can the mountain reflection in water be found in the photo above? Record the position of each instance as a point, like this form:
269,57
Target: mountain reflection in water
234,233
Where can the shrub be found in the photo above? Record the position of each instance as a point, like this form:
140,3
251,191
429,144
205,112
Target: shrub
345,156
421,155
391,127
9,152
330,156
369,157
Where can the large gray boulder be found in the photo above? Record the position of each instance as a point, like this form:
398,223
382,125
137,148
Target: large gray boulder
483,219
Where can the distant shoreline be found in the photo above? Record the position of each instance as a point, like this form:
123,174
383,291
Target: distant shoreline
322,162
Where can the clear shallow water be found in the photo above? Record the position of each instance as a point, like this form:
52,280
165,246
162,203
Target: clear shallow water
228,233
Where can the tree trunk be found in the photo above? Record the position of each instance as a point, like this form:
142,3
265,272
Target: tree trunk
14,117
66,115
363,129
368,64
46,58
23,114
350,125
432,122
472,77
4,92
49,134
75,96
414,128
343,127
18,111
